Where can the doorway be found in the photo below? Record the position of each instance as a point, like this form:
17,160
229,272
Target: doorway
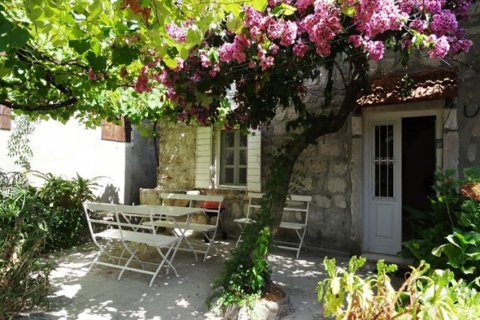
418,163
400,157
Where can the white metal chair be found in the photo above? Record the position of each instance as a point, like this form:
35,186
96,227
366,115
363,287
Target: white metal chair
254,199
297,205
123,229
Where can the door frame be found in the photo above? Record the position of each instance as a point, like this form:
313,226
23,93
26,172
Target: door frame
385,114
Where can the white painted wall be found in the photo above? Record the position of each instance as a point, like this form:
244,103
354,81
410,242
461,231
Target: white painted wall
71,148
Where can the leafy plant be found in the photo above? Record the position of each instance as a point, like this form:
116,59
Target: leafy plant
347,295
449,234
63,206
23,275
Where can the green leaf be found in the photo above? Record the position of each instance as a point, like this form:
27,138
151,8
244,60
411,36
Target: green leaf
234,24
288,9
80,46
349,11
124,55
194,36
11,37
98,63
259,5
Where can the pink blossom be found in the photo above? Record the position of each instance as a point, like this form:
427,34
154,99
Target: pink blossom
142,82
375,49
274,49
356,40
440,47
289,33
300,48
177,33
205,60
419,25
302,5
267,62
444,22
274,29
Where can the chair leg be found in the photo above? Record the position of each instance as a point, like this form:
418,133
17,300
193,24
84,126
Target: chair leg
164,260
126,264
301,236
211,242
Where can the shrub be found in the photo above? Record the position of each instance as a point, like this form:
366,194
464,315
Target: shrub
62,201
346,295
450,233
23,275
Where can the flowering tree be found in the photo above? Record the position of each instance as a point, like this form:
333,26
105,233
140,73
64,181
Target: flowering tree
209,62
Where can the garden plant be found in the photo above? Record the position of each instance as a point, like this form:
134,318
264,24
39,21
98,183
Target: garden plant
34,221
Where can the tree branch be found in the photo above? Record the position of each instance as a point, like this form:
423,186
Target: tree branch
52,106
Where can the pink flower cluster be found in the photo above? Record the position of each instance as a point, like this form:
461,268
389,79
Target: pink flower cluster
322,26
443,23
177,33
142,82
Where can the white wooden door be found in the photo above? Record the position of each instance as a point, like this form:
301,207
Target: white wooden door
383,186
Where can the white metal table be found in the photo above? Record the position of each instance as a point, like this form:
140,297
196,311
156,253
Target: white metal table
174,213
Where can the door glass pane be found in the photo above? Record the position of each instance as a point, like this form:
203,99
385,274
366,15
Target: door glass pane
229,157
383,161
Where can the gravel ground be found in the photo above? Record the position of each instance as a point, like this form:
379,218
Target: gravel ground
79,294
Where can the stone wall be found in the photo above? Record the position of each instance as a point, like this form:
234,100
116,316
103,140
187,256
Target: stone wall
468,101
176,170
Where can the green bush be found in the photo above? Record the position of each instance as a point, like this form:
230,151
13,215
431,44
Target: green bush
449,235
33,221
346,295
23,275
62,201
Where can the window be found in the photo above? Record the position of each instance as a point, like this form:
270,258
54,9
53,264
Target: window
228,159
119,133
233,158
5,120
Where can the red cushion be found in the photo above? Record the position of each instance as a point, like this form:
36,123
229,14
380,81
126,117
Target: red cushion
211,205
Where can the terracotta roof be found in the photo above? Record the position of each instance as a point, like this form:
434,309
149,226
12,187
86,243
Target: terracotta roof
431,85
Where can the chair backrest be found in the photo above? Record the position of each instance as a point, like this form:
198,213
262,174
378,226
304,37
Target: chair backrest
95,213
136,218
298,206
254,199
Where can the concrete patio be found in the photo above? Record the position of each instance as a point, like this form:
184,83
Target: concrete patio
79,294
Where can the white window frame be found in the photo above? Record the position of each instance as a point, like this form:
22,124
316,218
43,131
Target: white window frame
236,166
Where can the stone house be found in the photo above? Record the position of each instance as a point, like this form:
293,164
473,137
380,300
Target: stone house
360,177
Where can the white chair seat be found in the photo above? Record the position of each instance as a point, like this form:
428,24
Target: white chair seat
244,220
292,225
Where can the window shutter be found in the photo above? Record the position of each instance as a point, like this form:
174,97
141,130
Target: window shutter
5,120
203,157
254,167
114,132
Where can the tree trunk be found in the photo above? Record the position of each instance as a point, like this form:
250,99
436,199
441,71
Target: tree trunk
282,166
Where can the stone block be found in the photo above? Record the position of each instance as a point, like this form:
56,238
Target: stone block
150,196
340,201
336,185
323,201
340,168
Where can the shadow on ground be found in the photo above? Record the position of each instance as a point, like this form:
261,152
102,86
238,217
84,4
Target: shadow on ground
80,294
